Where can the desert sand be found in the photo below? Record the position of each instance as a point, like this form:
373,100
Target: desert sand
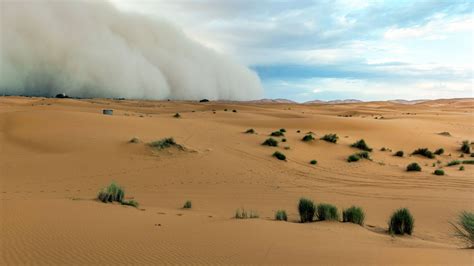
56,154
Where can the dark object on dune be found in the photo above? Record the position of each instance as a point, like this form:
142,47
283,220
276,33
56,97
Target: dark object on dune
61,95
108,112
204,101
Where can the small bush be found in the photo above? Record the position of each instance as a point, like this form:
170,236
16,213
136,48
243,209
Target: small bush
283,140
177,115
130,203
280,215
111,193
163,143
250,131
465,147
461,168
464,228
313,162
413,167
423,152
282,130
439,172
468,162
270,142
361,145
225,110
134,140
330,138
234,111
307,138
277,134
363,155
243,214
306,209
188,205
399,154
454,162
439,151
353,215
353,158
383,149
280,156
401,222
327,212
298,131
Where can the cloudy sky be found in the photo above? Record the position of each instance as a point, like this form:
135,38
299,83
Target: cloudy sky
305,50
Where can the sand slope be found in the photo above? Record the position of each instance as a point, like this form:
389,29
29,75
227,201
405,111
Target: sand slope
57,153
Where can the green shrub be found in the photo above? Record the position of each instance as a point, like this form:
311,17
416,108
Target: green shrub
177,115
353,158
353,215
357,156
439,172
423,152
306,209
399,154
280,215
244,214
130,203
439,151
461,168
163,143
250,131
111,193
468,162
282,130
280,156
277,134
454,162
313,162
401,222
466,147
363,155
327,212
283,140
134,140
361,145
188,205
413,167
270,142
464,228
308,138
330,138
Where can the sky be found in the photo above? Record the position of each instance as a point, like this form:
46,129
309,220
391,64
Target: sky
307,50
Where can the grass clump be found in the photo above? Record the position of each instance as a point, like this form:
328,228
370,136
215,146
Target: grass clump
244,214
353,215
177,115
465,147
188,205
280,215
454,162
399,154
327,212
401,222
250,131
280,156
330,138
461,168
353,158
132,203
270,142
111,193
413,167
361,145
468,162
163,143
439,151
439,172
306,209
464,228
313,162
277,134
307,138
423,152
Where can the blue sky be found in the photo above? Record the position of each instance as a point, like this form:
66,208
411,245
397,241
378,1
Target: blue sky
305,50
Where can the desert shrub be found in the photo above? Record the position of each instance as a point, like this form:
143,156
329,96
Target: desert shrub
277,134
465,147
399,154
270,142
282,130
401,222
353,158
330,138
250,131
234,111
361,145
327,212
279,155
111,193
363,155
244,214
439,151
383,149
188,205
132,203
357,156
225,110
298,131
461,168
472,154
163,143
177,115
313,162
134,140
423,152
283,140
464,228
307,138
413,167
353,215
468,162
280,215
306,209
438,172
454,162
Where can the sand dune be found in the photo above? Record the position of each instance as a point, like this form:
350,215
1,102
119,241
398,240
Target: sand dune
57,153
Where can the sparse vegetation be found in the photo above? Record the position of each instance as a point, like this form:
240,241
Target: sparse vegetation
466,147
363,155
132,203
244,214
330,138
464,228
401,222
277,134
280,156
461,168
424,152
353,215
280,215
453,162
353,158
468,162
307,138
188,205
283,140
313,162
177,115
306,209
439,172
270,142
357,156
327,212
164,143
399,154
439,151
413,167
234,111
361,145
282,130
111,193
250,131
